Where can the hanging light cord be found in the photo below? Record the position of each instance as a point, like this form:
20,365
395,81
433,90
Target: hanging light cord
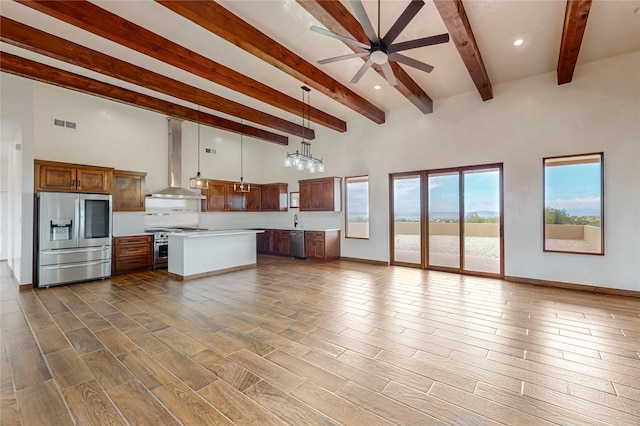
198,140
241,152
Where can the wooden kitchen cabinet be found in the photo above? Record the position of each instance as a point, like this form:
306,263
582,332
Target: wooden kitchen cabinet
323,194
216,196
131,254
281,242
56,176
128,191
222,198
274,197
264,241
322,245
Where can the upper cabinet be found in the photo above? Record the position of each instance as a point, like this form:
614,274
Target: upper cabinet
55,176
323,194
274,197
221,197
128,191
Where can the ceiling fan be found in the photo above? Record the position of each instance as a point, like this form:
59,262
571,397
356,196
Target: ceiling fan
381,50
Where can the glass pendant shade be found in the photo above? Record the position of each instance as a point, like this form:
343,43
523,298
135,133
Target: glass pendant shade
198,182
303,160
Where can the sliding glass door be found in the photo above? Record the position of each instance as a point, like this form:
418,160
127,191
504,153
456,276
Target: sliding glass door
449,219
444,219
464,207
406,219
482,243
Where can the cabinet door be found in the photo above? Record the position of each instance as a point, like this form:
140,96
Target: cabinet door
265,242
235,200
269,198
94,180
128,191
253,199
57,178
327,190
305,195
216,196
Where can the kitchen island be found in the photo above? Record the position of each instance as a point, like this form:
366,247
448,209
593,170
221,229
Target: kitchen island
201,253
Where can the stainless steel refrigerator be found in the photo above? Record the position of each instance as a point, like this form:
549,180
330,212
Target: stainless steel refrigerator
73,238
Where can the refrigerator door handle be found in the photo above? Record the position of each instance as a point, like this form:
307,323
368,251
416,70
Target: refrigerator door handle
79,219
81,250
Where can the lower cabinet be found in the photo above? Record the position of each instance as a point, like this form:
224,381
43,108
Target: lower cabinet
131,254
322,245
264,241
319,245
281,242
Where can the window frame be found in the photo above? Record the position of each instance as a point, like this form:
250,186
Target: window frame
576,160
356,179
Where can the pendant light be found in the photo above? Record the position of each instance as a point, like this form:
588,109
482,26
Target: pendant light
303,159
198,182
240,186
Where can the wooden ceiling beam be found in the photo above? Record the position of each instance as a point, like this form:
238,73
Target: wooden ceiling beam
337,18
47,74
575,21
457,23
218,20
103,23
29,38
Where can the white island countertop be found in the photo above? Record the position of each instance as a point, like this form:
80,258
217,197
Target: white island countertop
197,254
207,233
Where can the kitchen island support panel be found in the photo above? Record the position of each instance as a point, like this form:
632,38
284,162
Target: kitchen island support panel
197,254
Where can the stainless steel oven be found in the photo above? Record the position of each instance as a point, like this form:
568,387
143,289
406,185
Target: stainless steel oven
160,249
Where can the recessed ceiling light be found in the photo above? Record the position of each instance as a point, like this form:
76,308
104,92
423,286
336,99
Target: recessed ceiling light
518,42
377,87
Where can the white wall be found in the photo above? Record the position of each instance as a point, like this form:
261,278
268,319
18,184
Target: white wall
17,136
527,120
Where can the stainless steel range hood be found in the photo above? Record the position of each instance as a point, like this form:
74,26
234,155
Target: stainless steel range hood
175,189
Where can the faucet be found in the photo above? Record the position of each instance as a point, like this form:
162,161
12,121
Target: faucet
295,220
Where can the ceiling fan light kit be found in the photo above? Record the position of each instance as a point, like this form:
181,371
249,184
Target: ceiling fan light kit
303,159
382,50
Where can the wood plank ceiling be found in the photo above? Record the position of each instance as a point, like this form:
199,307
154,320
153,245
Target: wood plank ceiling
216,19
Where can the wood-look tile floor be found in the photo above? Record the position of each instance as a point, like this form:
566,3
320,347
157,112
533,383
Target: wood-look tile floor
302,343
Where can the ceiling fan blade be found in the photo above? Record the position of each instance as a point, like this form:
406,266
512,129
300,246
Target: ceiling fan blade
361,71
409,13
343,57
388,74
358,8
419,42
410,61
338,37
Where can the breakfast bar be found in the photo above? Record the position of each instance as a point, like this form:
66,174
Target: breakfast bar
202,253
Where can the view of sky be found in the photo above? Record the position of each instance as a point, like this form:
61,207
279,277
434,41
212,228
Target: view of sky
358,198
482,194
574,187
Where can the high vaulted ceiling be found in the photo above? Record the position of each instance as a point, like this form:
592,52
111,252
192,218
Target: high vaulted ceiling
220,62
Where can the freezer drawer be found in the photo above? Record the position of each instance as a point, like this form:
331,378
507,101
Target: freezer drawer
87,254
73,272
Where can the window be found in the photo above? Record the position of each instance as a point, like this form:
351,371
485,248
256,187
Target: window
573,206
357,211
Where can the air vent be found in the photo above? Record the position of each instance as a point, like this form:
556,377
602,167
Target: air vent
66,124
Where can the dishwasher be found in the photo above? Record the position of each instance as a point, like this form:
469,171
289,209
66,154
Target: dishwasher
297,244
